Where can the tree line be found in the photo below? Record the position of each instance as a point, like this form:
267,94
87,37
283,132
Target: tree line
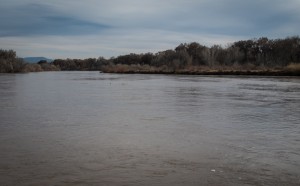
264,52
253,53
10,63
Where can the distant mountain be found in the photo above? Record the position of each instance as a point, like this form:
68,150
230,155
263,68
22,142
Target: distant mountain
36,59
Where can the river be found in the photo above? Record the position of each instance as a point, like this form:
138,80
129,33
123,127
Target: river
90,128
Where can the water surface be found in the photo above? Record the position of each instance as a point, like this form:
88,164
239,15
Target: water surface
87,128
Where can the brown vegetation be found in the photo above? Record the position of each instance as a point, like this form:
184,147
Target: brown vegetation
293,67
257,56
251,57
9,63
39,67
204,70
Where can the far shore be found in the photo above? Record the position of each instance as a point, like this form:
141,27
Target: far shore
262,57
240,73
292,70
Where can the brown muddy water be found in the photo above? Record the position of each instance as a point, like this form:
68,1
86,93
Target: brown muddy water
87,128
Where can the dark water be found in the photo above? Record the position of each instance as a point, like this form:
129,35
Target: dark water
87,128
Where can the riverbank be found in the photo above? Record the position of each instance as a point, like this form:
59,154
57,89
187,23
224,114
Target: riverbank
257,73
291,70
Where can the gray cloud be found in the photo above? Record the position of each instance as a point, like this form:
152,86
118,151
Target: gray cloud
117,26
38,19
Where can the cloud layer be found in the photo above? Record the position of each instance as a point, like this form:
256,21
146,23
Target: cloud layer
92,28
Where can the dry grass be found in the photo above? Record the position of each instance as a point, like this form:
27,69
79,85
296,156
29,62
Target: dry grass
246,69
32,68
293,67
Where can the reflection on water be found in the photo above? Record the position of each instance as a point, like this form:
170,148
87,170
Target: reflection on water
87,128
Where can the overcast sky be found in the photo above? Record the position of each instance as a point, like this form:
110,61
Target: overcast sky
93,28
